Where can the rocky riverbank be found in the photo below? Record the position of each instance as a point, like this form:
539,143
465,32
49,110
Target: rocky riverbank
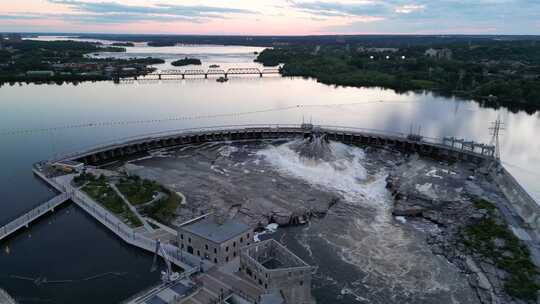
472,233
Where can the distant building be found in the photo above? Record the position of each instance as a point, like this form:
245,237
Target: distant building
445,53
40,73
377,50
214,238
280,272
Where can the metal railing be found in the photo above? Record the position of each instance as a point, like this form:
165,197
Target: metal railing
130,236
28,217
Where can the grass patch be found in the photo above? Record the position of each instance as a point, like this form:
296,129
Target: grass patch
483,204
164,210
138,191
100,191
84,177
509,255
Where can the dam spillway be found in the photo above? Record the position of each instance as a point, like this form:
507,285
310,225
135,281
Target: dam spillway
446,148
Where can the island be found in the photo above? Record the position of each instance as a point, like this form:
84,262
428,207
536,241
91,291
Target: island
186,61
162,43
123,44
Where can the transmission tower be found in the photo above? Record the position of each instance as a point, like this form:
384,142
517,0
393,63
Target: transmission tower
496,127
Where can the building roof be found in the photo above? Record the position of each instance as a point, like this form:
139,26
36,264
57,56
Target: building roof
69,163
272,298
217,232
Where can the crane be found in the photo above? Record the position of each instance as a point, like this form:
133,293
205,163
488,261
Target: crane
168,275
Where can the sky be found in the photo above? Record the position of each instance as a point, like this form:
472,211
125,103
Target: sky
272,17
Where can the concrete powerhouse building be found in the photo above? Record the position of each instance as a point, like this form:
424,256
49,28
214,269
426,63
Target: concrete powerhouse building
214,238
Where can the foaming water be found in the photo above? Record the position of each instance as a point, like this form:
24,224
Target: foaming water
344,173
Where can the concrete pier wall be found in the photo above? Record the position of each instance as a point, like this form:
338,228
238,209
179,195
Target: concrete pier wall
521,201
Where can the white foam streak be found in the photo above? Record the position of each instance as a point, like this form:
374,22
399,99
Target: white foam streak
345,174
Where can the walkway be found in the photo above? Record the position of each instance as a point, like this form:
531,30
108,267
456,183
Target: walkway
5,298
28,217
133,209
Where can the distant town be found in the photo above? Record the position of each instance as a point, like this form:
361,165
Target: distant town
23,60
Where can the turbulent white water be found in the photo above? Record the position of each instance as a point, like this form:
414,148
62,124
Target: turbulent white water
344,174
369,239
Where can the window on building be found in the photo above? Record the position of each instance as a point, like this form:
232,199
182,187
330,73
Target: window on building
301,283
215,250
234,254
227,249
206,246
226,258
215,261
182,247
181,236
241,239
198,253
189,240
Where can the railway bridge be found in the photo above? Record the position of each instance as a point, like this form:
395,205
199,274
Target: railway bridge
173,73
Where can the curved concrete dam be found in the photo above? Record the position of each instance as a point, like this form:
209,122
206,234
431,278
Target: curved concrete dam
444,147
439,148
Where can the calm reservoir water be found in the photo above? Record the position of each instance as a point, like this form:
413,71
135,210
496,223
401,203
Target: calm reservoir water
84,263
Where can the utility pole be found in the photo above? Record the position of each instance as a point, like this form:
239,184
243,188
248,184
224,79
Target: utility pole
496,127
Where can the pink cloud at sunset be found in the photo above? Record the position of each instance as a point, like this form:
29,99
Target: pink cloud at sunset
270,17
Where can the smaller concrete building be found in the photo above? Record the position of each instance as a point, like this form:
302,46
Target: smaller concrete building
273,267
214,238
69,166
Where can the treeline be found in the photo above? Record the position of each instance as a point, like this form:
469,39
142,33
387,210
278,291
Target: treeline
503,73
400,41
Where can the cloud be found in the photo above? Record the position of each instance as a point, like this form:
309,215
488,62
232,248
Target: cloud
408,8
325,8
117,12
19,16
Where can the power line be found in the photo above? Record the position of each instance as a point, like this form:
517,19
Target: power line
179,118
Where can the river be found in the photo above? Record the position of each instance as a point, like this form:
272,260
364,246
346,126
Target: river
71,247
